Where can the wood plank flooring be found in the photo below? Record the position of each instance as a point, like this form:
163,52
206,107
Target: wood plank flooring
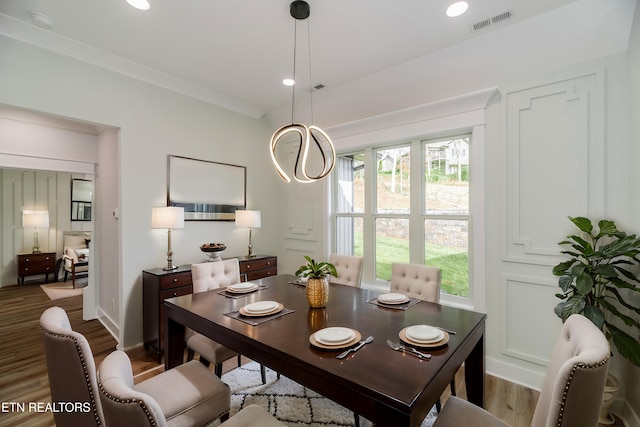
23,372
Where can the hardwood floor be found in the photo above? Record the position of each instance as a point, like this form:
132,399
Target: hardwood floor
23,372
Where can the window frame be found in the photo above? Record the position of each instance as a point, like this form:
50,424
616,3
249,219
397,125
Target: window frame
417,214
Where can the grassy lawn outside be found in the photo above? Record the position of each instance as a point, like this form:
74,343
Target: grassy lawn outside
453,262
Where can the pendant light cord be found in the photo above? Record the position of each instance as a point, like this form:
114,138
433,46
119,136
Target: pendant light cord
310,80
293,88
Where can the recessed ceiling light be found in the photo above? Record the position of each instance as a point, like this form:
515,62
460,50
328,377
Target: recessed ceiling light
41,20
457,9
288,82
139,4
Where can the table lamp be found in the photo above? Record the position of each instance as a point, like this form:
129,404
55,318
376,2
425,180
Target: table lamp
250,220
168,217
35,219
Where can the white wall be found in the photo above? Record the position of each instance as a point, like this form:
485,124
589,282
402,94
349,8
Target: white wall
152,123
632,376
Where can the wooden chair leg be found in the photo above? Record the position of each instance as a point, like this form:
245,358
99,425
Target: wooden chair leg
218,370
438,406
263,374
204,361
225,417
453,387
356,420
239,361
190,354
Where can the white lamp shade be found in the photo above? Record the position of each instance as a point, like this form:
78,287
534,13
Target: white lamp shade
248,219
35,219
167,217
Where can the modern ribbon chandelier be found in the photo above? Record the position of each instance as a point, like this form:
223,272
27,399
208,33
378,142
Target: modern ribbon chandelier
307,136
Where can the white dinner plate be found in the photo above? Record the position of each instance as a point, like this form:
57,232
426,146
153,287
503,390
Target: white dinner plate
334,335
261,307
392,298
424,333
242,287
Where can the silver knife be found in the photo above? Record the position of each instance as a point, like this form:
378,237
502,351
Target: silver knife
356,348
408,350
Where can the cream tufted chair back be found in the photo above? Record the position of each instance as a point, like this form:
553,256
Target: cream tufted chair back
349,269
212,275
416,281
71,370
573,387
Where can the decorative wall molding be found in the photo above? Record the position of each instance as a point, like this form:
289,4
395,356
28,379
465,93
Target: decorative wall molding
554,164
523,340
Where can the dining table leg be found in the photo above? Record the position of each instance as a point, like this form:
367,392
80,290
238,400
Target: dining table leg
474,372
174,343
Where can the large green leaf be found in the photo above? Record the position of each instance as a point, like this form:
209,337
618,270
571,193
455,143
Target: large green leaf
582,245
584,224
565,282
573,304
562,268
607,228
629,321
628,346
584,283
622,300
594,314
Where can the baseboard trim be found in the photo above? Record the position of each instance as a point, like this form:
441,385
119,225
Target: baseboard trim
109,325
515,374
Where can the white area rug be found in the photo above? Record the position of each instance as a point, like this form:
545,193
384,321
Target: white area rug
60,290
291,403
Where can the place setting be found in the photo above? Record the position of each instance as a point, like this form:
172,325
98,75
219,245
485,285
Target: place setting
424,336
394,300
239,290
337,338
259,312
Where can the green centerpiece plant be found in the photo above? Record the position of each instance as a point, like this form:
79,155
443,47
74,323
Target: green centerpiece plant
600,281
317,285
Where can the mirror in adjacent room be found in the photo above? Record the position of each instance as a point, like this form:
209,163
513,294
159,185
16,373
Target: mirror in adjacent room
81,196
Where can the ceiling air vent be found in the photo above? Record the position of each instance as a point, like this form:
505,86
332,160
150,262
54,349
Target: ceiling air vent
491,21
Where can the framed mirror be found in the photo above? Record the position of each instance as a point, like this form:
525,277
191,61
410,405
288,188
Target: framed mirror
81,196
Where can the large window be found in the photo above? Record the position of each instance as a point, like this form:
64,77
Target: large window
406,203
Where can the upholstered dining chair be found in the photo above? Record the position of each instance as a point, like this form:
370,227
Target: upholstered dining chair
572,391
252,416
422,282
416,281
349,269
71,369
207,276
186,395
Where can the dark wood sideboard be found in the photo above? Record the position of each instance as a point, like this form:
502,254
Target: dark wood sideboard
159,284
33,264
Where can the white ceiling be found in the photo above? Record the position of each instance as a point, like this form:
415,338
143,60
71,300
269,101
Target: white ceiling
236,53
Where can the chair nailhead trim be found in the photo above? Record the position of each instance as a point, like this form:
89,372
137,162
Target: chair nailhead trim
84,368
150,417
568,384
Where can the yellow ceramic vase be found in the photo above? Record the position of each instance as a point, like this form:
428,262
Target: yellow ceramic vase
317,292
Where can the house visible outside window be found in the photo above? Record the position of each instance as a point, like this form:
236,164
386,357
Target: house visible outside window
406,203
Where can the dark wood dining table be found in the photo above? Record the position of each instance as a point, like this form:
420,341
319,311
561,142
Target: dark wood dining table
387,387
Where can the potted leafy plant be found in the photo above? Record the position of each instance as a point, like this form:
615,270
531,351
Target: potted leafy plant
317,285
596,282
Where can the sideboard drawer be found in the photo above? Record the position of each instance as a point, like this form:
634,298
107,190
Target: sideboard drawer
176,292
247,266
175,280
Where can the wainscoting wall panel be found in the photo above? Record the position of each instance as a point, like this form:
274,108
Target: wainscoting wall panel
530,298
554,164
554,168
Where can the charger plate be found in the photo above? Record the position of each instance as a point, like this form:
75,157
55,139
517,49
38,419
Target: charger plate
404,338
277,309
314,342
